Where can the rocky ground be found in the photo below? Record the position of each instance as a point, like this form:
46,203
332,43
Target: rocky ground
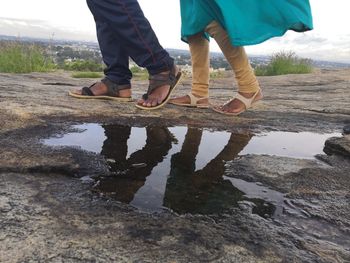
47,214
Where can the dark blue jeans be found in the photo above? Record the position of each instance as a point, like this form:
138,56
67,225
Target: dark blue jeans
123,31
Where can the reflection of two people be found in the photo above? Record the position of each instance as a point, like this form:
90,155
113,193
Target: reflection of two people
187,190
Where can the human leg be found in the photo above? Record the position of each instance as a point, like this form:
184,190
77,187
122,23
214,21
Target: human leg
199,49
116,84
248,86
113,54
138,39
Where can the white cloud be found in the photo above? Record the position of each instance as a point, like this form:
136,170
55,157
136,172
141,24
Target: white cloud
72,19
40,29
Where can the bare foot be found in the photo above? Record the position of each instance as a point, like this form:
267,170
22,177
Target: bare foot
100,89
236,106
158,95
186,100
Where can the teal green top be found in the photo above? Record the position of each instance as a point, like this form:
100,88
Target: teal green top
247,22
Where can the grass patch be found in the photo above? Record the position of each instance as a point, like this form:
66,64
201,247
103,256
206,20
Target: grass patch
91,75
83,65
16,57
217,74
285,63
139,73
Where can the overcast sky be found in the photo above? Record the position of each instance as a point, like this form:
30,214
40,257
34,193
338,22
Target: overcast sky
71,19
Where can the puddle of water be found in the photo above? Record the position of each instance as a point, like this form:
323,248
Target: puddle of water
182,168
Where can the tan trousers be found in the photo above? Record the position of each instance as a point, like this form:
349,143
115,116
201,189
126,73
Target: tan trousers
236,57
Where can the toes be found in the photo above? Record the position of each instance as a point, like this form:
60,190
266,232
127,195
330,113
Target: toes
159,101
154,99
218,107
78,92
147,103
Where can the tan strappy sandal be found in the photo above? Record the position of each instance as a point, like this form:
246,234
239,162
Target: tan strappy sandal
193,102
248,103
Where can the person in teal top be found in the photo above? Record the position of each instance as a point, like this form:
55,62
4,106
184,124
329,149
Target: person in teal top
234,24
247,22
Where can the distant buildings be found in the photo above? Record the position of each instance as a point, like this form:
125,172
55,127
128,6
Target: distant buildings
62,50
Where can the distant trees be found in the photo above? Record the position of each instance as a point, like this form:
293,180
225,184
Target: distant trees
24,57
68,53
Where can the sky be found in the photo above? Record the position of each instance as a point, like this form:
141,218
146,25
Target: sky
71,19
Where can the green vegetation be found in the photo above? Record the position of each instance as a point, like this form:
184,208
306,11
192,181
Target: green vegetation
217,74
92,75
285,63
17,57
83,65
64,53
139,73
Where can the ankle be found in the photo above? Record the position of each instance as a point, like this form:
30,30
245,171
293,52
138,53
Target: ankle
200,94
99,87
125,93
248,94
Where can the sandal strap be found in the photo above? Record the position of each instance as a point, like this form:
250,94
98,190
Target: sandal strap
194,100
159,80
86,91
247,102
113,88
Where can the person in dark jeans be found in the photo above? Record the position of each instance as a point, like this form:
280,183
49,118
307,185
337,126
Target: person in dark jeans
123,32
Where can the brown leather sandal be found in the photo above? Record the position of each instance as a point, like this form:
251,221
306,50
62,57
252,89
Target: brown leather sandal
111,94
158,80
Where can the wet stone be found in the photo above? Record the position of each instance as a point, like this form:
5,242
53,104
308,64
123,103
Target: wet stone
182,169
338,146
346,129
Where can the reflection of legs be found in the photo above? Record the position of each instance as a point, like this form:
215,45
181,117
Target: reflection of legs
248,85
115,146
205,190
235,145
126,185
199,48
185,159
157,146
179,190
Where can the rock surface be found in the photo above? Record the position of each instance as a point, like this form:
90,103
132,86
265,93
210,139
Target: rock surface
47,214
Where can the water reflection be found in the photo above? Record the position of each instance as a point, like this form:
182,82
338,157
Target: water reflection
131,173
187,190
204,190
180,168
